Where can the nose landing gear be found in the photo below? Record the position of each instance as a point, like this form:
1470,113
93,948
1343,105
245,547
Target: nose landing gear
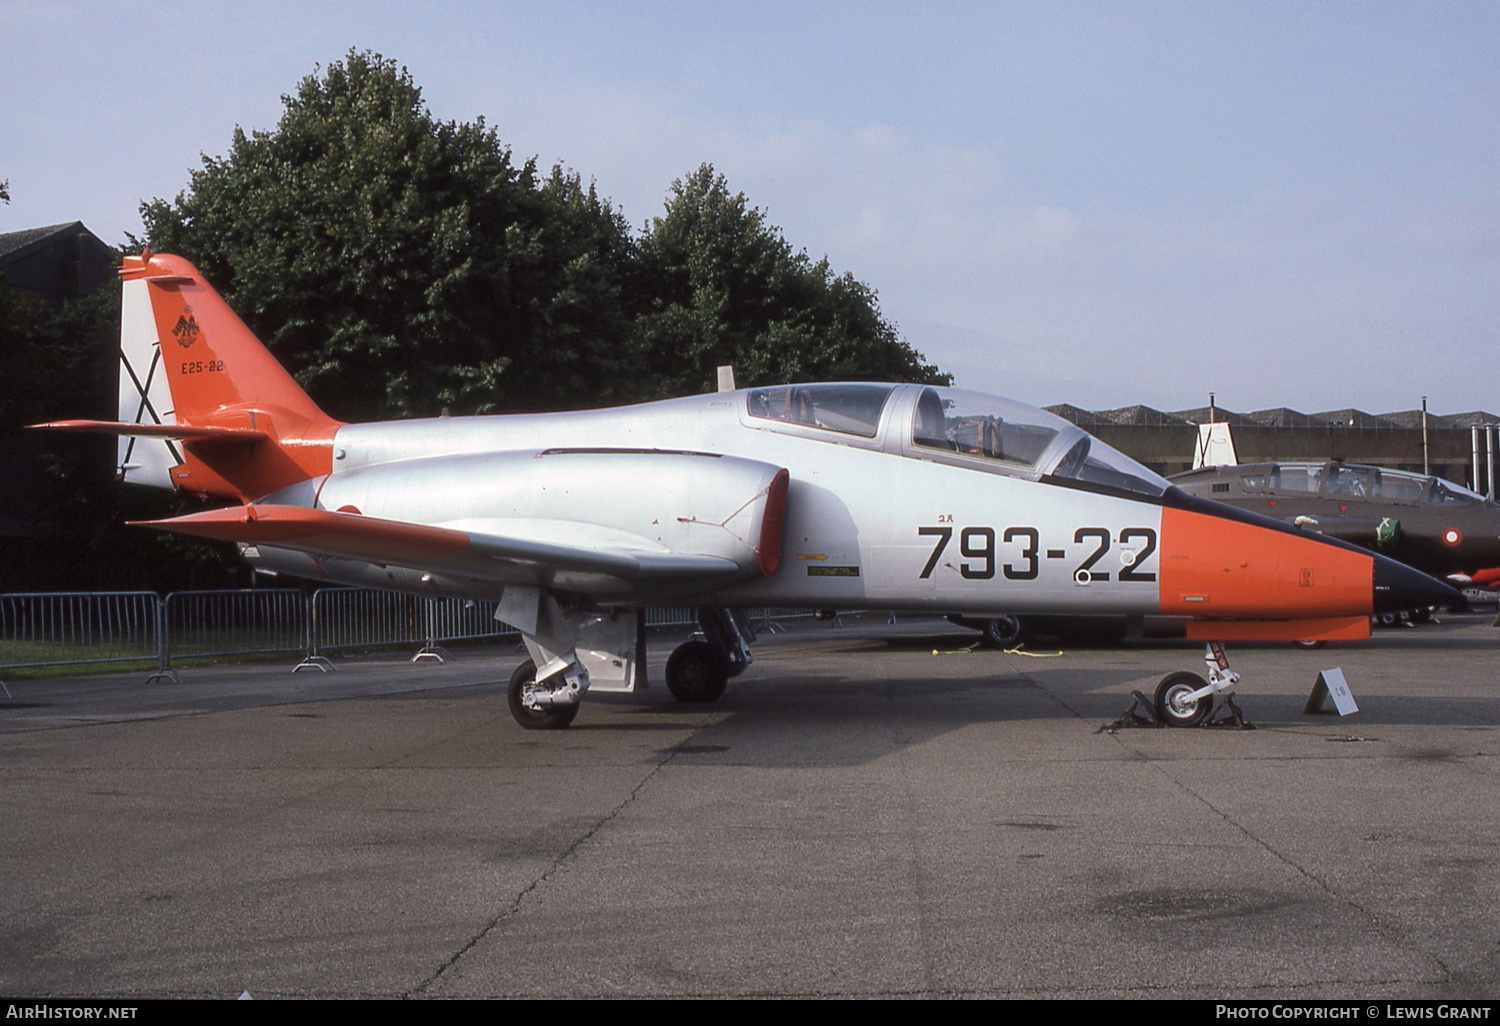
1185,699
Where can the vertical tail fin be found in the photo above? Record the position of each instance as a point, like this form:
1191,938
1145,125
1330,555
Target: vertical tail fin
203,405
1215,446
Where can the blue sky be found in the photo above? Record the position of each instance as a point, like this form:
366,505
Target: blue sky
1096,203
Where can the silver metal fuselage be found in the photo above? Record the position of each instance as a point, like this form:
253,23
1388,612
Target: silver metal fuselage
872,522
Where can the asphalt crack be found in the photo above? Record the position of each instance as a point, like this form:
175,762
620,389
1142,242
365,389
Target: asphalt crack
562,859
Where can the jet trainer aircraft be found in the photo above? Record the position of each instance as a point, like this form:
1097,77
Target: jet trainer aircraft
823,496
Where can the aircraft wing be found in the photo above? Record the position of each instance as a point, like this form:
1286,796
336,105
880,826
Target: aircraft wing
513,558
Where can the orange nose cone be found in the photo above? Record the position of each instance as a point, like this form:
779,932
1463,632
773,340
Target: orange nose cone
1214,566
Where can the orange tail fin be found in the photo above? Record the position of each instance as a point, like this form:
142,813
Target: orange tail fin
203,405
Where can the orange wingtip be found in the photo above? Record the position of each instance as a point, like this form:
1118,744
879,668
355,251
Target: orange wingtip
182,431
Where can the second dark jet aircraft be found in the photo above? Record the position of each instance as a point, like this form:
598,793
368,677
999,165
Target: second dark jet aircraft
1430,524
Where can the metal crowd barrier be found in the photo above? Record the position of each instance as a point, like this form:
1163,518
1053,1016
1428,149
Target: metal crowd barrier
460,620
83,628
351,618
457,620
67,628
671,616
202,624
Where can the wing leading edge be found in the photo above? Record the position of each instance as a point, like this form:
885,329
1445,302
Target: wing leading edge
321,532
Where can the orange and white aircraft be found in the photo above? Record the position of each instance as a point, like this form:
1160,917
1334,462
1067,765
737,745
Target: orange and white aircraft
823,496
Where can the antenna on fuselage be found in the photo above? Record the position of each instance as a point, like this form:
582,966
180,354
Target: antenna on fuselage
726,377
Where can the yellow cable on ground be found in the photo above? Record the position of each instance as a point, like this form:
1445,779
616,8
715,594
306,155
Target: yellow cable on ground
1008,651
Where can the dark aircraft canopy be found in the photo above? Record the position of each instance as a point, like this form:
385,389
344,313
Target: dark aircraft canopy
1341,480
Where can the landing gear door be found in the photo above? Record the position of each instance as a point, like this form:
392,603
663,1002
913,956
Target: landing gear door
610,647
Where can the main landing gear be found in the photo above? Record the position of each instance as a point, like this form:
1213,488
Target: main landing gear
1003,632
699,671
581,649
536,706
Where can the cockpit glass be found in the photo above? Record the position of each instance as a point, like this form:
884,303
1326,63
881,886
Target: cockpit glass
1446,493
1350,482
1299,477
982,425
1016,438
851,408
1398,487
1092,462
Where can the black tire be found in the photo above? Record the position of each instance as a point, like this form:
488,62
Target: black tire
1170,707
555,718
697,673
1003,632
1387,619
1310,643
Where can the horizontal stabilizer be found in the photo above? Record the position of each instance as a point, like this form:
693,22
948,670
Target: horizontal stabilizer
421,546
181,431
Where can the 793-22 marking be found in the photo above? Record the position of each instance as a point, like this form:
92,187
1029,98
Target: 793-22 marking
977,546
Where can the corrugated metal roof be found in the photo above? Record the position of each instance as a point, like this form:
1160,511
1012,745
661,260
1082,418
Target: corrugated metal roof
13,243
1200,415
1284,416
1143,416
1073,414
1355,419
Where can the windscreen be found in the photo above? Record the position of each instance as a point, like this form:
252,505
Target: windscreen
1022,438
1091,462
1447,493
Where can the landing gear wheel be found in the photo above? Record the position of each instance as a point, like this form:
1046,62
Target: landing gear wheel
1003,632
1387,619
1310,643
1172,704
697,673
555,717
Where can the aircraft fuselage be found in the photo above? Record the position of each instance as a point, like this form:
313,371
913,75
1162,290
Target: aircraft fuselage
875,520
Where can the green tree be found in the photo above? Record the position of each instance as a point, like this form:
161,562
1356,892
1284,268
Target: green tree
57,356
397,263
717,284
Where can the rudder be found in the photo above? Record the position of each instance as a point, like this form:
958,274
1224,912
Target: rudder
203,406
